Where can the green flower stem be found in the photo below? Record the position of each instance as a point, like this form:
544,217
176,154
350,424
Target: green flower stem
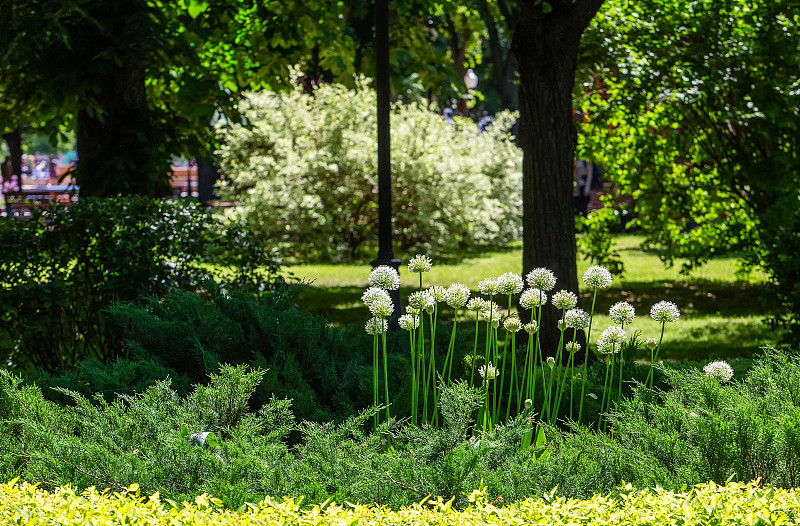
619,390
559,376
513,378
375,374
496,354
537,354
448,361
605,385
586,359
422,376
525,387
414,386
606,404
474,349
385,378
432,368
654,358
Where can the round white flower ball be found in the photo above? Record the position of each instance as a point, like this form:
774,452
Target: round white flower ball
489,286
576,319
597,277
564,300
408,322
512,324
541,278
719,370
376,325
622,312
532,298
665,311
420,263
510,283
384,277
457,295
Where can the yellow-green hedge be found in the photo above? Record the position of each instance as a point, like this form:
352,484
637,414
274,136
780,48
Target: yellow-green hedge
704,504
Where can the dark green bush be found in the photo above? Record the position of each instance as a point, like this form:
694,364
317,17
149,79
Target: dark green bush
59,270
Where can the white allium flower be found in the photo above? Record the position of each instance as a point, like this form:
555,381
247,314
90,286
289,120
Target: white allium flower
577,319
572,347
528,403
510,283
622,312
489,286
384,277
531,327
551,362
610,342
488,371
408,322
476,304
564,300
512,324
719,370
541,278
457,295
490,310
651,343
421,300
438,292
532,298
378,301
420,263
376,325
665,311
597,277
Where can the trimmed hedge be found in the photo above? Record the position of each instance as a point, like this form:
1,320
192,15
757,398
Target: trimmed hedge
708,503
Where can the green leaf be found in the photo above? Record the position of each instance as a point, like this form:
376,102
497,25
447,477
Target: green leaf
195,8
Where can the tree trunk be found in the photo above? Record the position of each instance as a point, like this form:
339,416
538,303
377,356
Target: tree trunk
546,47
116,147
14,141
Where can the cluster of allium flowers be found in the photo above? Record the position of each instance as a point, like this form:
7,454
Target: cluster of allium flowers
476,304
719,370
512,324
541,278
510,283
665,311
438,293
576,319
489,286
597,277
378,301
408,322
564,300
457,295
376,325
420,263
422,301
531,327
488,371
384,277
610,342
532,298
622,312
651,343
572,347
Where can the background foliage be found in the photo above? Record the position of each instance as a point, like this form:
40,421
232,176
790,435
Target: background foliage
304,176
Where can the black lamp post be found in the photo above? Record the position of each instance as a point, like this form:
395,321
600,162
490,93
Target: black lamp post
385,251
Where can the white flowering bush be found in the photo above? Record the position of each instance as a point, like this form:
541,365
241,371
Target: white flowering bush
303,174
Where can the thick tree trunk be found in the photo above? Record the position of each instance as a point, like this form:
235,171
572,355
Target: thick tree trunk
116,148
546,47
14,141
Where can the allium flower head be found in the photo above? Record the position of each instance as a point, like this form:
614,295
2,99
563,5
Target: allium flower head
476,304
408,322
572,347
564,300
490,310
421,300
384,277
495,322
622,312
439,293
457,295
597,277
531,327
719,370
512,324
577,319
489,286
528,403
420,263
610,342
376,325
532,298
541,278
651,343
510,283
551,362
488,371
378,301
665,311
561,325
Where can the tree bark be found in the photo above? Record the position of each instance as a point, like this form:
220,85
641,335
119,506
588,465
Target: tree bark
546,46
14,141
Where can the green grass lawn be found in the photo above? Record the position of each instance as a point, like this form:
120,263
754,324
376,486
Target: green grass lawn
721,316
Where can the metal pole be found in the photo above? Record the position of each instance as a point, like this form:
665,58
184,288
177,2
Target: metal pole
385,252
